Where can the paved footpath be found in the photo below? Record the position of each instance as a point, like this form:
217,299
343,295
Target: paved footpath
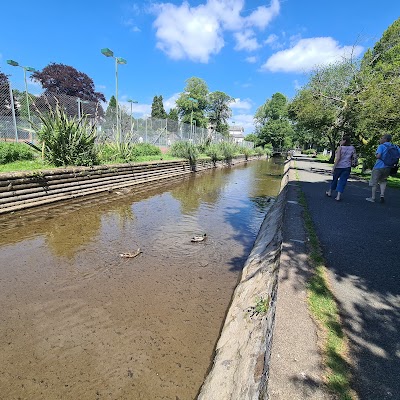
361,246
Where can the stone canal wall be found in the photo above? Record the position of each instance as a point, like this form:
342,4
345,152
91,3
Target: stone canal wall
241,363
20,190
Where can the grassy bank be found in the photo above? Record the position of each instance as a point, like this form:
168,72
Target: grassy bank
324,309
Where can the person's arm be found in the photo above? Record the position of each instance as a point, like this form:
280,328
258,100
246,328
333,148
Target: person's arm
379,151
337,157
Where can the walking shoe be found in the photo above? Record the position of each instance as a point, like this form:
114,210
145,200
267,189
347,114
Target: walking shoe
382,199
370,199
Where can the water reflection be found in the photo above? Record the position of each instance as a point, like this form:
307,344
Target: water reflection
89,324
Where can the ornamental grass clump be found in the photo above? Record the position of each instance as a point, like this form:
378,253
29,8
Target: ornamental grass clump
187,151
66,140
228,151
214,152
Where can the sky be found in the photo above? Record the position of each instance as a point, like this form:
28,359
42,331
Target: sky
246,49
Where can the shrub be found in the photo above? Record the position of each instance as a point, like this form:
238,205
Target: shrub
247,151
268,149
228,150
67,141
10,152
259,151
214,152
145,149
309,151
185,150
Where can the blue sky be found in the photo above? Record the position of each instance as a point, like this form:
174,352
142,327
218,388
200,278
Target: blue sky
247,49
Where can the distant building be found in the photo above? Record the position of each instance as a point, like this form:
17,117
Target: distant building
237,134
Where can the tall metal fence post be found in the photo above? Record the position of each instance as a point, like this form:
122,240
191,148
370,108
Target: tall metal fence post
13,112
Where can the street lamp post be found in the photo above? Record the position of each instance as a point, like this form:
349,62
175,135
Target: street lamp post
191,115
132,102
29,69
118,60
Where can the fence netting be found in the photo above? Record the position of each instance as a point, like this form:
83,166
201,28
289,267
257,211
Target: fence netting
20,118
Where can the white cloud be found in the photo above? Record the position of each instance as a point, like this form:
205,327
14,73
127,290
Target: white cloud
171,101
196,33
251,59
308,53
246,40
271,39
130,23
241,104
183,32
296,84
262,16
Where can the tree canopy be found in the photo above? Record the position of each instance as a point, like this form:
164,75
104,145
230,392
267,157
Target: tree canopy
157,108
64,79
193,102
272,122
219,111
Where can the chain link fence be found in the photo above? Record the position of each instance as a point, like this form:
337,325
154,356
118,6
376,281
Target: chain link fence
20,118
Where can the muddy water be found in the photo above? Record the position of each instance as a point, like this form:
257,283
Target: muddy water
77,321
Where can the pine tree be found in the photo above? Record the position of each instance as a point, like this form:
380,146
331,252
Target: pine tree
157,108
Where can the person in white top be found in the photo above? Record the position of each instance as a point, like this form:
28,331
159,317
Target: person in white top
345,153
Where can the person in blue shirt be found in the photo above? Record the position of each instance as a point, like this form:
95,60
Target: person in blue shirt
381,171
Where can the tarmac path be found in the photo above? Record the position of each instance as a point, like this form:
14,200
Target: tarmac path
361,246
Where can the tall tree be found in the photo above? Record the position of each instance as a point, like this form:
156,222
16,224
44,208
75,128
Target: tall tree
272,122
321,106
193,102
374,109
313,119
219,111
173,114
157,108
64,79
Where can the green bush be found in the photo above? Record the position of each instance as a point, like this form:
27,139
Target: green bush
309,151
67,141
10,152
228,151
145,149
185,150
259,151
214,152
125,152
247,151
268,149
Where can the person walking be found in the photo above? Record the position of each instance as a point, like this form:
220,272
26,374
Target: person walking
387,155
345,153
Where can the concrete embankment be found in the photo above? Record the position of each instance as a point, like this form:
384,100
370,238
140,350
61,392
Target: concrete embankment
20,190
241,364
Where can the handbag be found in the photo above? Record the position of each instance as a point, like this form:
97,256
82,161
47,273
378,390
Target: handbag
354,160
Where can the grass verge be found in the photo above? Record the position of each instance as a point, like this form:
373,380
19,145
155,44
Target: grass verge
25,165
324,309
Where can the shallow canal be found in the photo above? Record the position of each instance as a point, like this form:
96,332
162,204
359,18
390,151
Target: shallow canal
78,321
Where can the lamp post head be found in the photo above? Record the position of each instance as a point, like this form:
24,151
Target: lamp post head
121,60
13,63
132,101
107,52
30,69
194,100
